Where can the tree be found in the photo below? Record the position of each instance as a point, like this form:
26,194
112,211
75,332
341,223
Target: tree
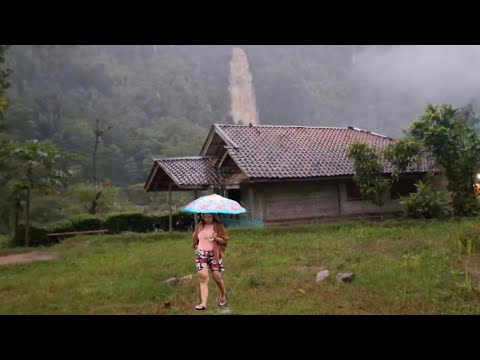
448,135
4,83
369,173
98,134
403,154
83,194
11,206
35,165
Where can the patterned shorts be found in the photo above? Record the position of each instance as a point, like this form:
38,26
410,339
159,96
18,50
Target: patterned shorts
204,258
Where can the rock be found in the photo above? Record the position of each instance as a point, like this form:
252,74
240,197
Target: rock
225,311
175,280
172,281
322,275
345,277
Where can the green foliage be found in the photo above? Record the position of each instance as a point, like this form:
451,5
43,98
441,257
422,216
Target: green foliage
115,223
37,163
83,194
162,99
468,241
127,222
403,154
4,241
135,222
4,83
38,237
368,172
159,104
47,209
10,205
427,203
33,165
444,132
138,222
403,267
137,195
82,222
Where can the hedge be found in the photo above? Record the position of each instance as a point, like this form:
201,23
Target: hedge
115,223
38,237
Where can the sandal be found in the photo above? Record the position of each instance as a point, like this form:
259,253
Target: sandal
223,303
200,307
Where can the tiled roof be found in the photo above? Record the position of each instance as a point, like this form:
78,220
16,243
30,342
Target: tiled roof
186,171
264,151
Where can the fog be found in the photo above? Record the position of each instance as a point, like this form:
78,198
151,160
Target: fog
430,73
411,76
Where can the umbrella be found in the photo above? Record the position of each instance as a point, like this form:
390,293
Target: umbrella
215,204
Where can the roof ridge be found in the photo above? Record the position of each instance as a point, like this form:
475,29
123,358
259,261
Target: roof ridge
286,126
369,132
308,127
185,158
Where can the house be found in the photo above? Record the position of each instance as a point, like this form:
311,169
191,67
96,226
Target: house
281,174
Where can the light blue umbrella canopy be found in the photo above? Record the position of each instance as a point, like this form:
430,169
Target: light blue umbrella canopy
214,204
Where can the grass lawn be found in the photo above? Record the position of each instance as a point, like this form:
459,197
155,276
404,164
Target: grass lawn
401,267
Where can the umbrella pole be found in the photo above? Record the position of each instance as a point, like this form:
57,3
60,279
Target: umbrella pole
195,216
170,207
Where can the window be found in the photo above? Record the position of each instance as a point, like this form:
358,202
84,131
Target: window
353,191
402,188
234,194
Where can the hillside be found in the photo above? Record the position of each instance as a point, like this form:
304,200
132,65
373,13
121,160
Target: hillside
162,99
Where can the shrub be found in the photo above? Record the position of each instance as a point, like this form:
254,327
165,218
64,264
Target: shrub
38,237
427,203
82,222
135,222
4,241
139,222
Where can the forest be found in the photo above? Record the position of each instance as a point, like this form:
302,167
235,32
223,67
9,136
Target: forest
108,110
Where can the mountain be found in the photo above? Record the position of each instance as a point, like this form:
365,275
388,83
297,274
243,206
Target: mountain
161,100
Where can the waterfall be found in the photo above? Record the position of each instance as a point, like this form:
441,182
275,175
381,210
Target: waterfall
242,94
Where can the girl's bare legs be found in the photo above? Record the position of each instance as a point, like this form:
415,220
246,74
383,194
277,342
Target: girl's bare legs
217,276
203,277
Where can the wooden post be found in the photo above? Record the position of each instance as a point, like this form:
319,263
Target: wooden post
339,199
170,227
250,201
195,216
264,210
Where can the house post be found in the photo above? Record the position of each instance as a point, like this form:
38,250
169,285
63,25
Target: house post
170,228
339,199
250,201
195,216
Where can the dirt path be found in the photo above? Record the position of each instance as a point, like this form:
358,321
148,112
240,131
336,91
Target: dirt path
27,257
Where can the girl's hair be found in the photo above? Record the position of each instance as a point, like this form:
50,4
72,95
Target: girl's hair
216,218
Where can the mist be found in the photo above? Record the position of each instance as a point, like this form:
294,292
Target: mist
163,99
411,76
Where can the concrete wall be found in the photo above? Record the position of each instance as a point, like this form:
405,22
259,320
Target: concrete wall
353,207
282,201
